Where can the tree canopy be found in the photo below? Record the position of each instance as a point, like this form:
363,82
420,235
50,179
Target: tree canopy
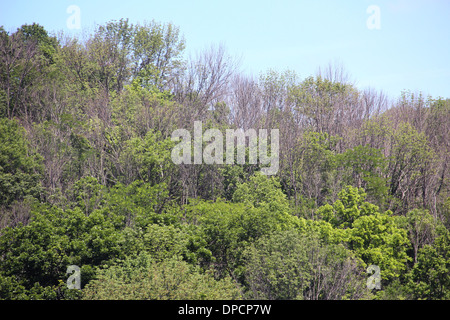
87,178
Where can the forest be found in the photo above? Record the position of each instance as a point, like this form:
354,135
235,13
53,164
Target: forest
359,208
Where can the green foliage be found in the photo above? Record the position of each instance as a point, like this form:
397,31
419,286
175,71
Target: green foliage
87,194
375,237
315,165
314,98
40,252
148,158
156,53
20,169
410,156
430,277
229,227
422,229
3,104
87,179
172,279
262,191
346,209
292,265
137,204
26,62
160,241
232,177
366,168
47,45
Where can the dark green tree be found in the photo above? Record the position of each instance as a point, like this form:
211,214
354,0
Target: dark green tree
430,277
292,265
20,168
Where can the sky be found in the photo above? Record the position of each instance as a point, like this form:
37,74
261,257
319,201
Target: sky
388,45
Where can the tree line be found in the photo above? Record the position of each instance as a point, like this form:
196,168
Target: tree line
86,176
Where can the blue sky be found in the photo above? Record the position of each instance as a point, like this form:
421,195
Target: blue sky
410,50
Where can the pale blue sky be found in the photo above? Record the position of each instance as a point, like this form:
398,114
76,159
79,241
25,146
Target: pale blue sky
411,50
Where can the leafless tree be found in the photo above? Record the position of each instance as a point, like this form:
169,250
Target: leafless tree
205,82
245,102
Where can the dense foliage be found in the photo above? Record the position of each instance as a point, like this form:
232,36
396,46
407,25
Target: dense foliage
87,179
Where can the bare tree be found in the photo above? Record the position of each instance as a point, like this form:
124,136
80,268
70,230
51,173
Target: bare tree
205,82
335,72
245,102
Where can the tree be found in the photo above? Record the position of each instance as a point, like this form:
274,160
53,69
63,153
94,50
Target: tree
366,169
65,151
430,277
114,40
246,110
87,194
376,237
228,228
38,254
325,104
293,265
137,204
410,162
262,191
20,168
172,279
156,55
422,229
25,57
147,159
314,167
438,136
86,175
204,83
